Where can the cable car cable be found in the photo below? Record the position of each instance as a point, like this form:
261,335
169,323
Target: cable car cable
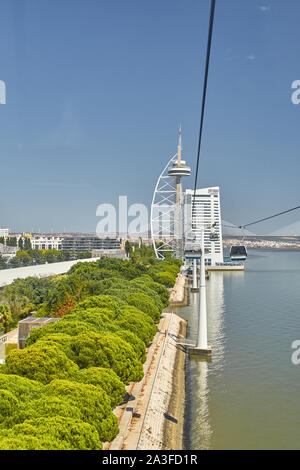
262,220
209,39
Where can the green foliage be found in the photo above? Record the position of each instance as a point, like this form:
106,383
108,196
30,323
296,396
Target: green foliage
75,370
8,404
53,433
165,278
21,387
27,244
93,403
99,301
134,320
5,317
11,241
127,248
67,325
106,379
137,344
32,289
44,407
144,303
60,340
40,362
99,319
109,351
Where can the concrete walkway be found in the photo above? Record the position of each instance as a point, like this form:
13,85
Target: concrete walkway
177,295
143,418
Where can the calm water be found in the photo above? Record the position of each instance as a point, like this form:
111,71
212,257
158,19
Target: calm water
248,397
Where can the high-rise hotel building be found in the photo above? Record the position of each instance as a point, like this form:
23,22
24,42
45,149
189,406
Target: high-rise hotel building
204,212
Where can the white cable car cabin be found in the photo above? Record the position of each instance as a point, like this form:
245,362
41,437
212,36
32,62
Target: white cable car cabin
238,253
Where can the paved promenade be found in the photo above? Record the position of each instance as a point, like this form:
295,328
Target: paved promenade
143,419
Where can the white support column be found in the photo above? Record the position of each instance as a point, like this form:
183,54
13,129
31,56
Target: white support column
202,315
202,347
195,284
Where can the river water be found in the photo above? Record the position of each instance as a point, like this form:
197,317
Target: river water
248,396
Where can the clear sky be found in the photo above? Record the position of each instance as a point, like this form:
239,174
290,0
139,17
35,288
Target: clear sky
96,91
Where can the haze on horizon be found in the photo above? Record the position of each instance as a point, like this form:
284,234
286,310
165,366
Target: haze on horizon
96,92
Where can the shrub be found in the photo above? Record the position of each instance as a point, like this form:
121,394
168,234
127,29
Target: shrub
144,303
106,379
55,433
21,387
40,362
137,344
60,340
98,318
93,403
45,406
165,278
99,301
109,351
8,404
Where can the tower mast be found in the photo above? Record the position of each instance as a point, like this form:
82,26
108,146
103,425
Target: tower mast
178,170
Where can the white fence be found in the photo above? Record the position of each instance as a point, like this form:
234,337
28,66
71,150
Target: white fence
7,276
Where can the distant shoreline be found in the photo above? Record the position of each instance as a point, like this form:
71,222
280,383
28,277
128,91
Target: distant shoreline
268,248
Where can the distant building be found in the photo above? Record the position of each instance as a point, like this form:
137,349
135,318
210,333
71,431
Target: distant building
4,232
46,242
8,251
26,325
109,253
78,244
206,211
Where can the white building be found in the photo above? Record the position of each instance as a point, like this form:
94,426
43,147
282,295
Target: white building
4,232
45,242
204,212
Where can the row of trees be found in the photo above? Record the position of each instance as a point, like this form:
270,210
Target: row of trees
31,257
8,241
59,392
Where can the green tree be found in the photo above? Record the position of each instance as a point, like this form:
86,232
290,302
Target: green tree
144,303
3,264
22,388
54,433
93,403
127,248
40,362
99,301
165,278
138,322
8,404
106,379
5,317
109,351
27,244
137,344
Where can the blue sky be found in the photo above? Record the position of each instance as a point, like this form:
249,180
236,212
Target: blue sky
96,91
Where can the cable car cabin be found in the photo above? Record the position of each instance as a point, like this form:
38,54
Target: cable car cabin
238,253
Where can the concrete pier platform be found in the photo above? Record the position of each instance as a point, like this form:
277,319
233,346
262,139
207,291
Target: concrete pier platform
226,268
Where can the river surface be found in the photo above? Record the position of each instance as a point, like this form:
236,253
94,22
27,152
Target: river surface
248,396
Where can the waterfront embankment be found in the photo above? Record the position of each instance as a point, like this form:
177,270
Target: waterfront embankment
153,416
179,293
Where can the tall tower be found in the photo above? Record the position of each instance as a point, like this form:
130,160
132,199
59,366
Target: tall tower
177,170
203,209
